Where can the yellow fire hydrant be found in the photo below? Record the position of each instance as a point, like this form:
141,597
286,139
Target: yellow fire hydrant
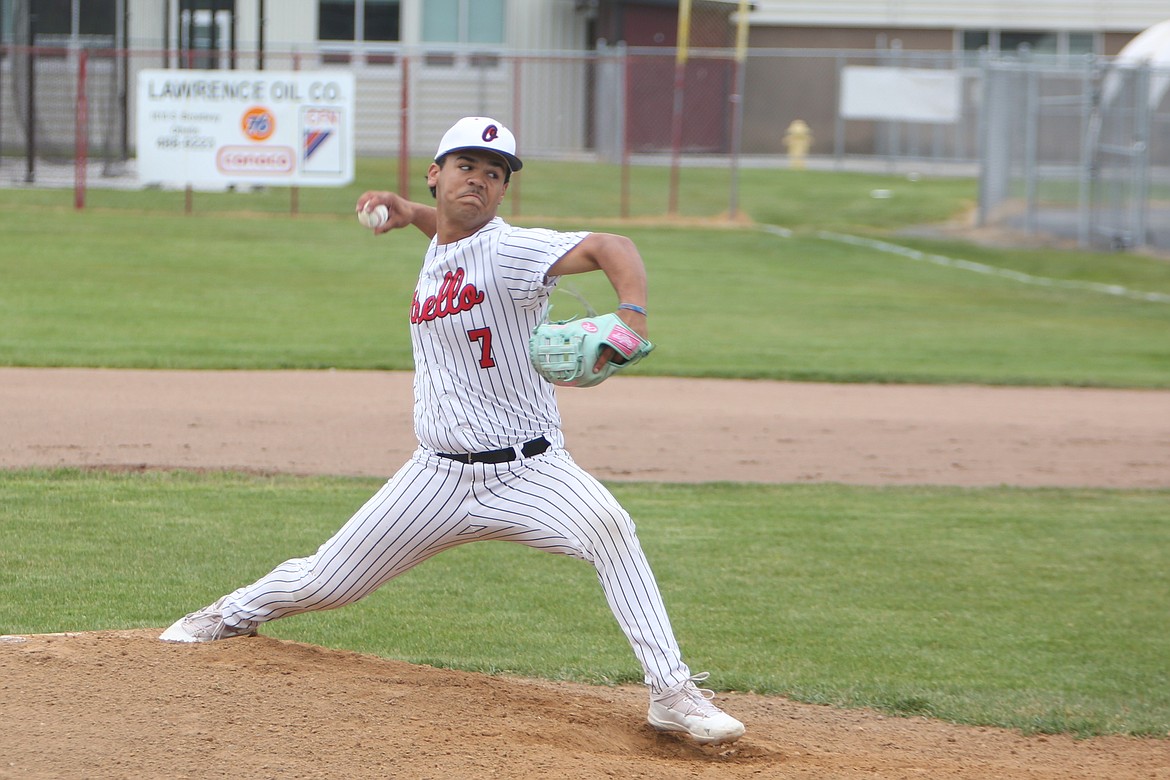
798,139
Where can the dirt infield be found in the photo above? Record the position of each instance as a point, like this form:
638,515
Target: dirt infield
119,704
633,428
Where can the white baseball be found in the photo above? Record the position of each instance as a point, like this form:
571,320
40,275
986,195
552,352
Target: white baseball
375,217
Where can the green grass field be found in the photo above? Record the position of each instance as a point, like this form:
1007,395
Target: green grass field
1042,610
238,287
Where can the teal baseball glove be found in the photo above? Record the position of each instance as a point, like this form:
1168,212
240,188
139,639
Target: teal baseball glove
565,353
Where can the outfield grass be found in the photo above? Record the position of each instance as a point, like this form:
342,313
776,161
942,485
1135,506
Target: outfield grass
1042,610
221,289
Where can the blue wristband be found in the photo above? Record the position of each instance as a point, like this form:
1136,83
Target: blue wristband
633,307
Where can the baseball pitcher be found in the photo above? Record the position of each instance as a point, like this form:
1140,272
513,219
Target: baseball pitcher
491,462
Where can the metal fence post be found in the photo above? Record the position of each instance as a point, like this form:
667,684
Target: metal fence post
81,133
1085,174
1142,117
736,100
1032,119
517,108
30,133
404,130
623,125
983,141
838,120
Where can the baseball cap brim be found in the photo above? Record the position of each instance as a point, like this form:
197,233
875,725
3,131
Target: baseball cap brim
512,160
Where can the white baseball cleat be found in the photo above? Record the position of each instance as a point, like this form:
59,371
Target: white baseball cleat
688,708
206,625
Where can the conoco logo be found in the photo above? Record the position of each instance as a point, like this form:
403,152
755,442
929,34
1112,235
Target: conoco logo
490,132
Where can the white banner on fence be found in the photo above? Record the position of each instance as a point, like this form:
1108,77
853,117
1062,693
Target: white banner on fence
219,127
900,94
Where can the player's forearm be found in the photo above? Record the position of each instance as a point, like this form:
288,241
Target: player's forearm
405,212
622,265
616,256
424,218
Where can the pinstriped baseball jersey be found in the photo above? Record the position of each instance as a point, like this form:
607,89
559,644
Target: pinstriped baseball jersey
474,309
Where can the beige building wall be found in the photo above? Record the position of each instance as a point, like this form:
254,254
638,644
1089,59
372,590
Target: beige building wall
1091,15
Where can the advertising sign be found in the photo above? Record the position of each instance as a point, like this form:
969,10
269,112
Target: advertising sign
900,94
217,127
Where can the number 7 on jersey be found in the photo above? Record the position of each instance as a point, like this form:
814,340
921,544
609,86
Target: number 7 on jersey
484,337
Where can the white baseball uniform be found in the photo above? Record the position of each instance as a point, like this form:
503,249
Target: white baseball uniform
475,391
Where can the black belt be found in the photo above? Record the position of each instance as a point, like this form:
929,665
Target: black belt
528,449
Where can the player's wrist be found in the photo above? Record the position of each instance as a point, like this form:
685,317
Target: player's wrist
633,307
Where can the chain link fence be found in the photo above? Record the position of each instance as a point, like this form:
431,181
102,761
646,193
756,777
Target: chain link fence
1072,148
1079,152
1130,136
605,104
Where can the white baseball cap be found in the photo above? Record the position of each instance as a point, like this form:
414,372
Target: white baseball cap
481,132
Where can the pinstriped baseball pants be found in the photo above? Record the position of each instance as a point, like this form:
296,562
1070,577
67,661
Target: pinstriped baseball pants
434,504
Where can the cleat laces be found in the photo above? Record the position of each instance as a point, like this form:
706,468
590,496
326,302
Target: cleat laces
689,699
208,624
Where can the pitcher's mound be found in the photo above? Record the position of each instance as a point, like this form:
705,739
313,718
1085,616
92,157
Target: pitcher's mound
123,704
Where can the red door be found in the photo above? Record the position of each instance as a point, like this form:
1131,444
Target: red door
651,87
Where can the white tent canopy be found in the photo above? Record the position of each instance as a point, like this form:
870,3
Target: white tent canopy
1151,48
